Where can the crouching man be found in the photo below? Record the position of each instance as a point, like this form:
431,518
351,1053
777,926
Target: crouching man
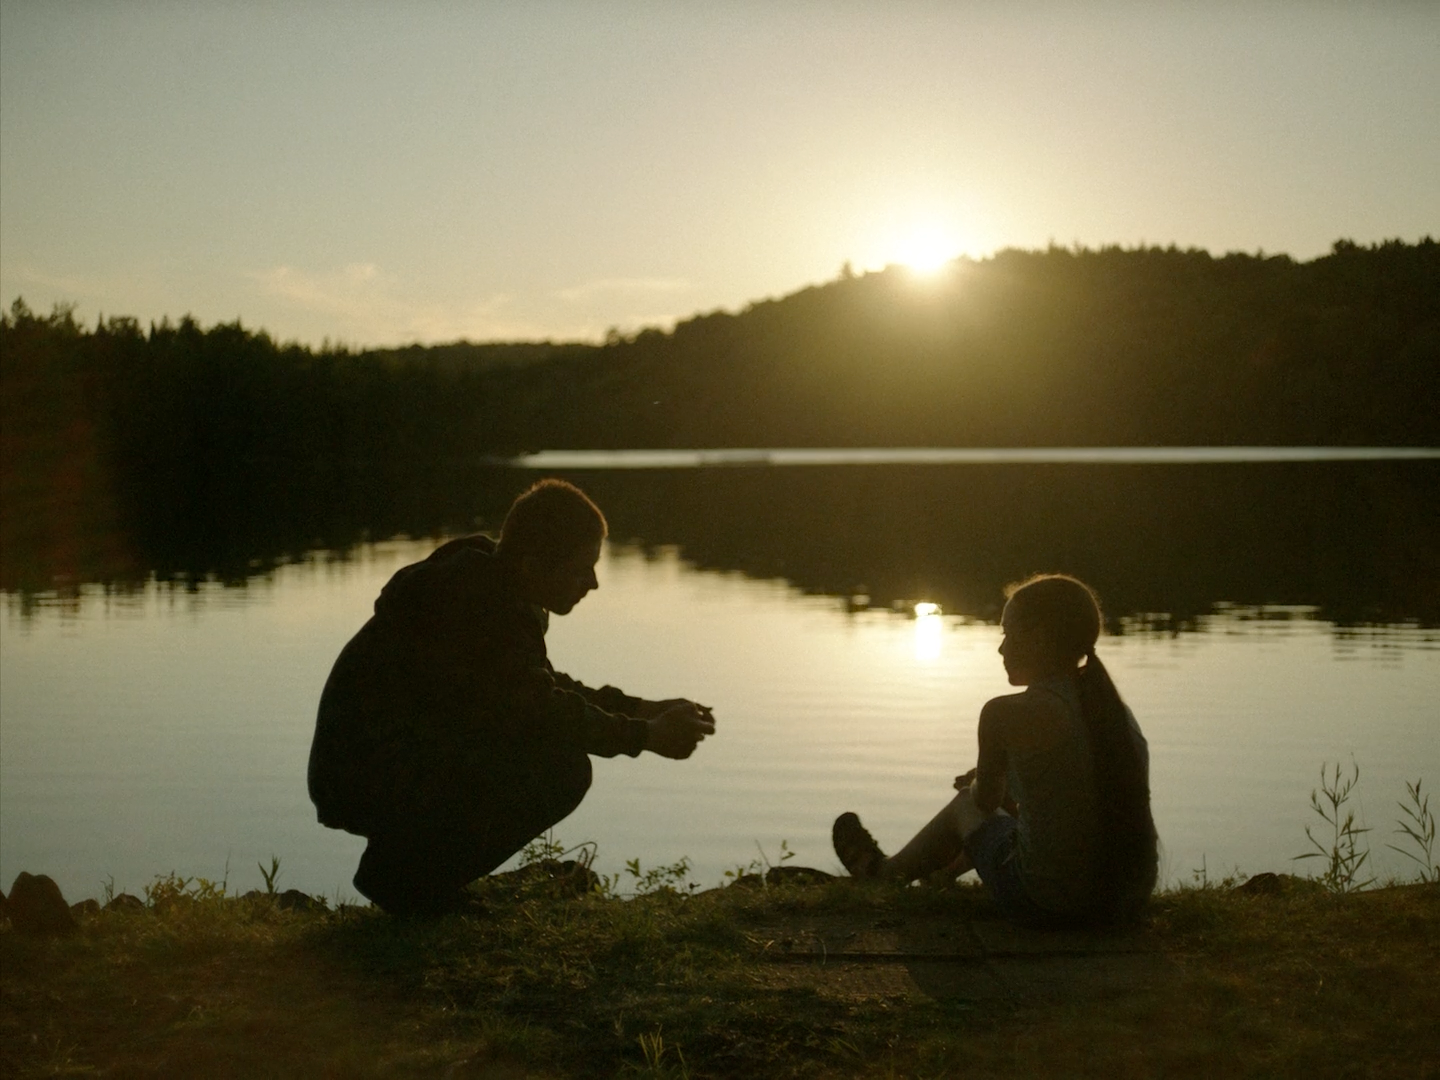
445,737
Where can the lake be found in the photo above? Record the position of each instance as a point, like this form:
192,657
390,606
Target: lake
1264,617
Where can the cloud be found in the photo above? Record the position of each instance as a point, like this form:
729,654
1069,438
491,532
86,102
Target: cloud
371,306
610,288
363,303
71,284
349,292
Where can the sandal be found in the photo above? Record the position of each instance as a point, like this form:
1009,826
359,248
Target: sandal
858,852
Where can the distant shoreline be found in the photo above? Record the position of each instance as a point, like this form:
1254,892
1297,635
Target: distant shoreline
935,455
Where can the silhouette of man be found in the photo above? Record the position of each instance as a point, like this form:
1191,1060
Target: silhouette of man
445,737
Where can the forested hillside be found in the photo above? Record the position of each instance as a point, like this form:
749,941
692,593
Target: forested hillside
1056,347
180,435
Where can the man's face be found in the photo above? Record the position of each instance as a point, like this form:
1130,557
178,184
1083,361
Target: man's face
560,587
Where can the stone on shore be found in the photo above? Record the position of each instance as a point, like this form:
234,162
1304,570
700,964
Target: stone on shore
295,900
36,906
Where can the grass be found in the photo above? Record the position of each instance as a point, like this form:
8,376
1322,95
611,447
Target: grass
1301,981
1317,977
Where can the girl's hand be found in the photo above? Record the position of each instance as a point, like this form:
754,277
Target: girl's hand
963,782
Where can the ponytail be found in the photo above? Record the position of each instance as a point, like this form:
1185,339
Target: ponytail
1128,858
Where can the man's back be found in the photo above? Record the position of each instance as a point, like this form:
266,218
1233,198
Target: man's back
447,646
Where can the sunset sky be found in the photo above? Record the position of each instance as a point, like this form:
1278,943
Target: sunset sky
381,173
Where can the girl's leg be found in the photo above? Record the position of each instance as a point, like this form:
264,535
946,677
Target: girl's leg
940,845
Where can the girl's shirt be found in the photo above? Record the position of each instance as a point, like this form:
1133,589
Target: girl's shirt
1052,776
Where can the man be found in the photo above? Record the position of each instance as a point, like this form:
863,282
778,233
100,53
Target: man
444,735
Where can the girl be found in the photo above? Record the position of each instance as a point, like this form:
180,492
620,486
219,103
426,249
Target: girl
1055,816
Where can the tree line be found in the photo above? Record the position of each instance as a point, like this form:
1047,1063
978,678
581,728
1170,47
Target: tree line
158,432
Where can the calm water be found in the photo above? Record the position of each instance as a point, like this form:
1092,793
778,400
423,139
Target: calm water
160,663
165,728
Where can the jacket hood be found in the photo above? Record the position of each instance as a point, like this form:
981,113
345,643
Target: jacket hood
448,584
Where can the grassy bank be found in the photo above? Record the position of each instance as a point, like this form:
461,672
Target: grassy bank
823,979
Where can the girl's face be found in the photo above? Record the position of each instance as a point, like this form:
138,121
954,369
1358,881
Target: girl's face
1026,650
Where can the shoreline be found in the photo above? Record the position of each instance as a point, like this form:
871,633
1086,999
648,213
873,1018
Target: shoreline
795,978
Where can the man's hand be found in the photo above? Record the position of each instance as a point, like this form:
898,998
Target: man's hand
649,710
676,731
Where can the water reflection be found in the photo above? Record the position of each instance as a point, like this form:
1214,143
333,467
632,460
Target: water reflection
929,631
168,728
1353,542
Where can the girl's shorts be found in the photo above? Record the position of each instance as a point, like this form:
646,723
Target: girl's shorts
992,849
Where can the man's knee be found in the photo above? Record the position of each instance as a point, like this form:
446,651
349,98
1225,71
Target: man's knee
572,780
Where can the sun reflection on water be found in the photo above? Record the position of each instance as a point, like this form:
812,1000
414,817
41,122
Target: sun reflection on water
929,629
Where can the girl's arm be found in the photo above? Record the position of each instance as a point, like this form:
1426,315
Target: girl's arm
1013,725
988,788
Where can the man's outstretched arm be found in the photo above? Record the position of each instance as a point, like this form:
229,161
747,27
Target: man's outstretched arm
612,721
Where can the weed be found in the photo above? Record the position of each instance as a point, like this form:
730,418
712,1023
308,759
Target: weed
756,867
166,889
544,848
785,854
271,875
674,878
752,870
662,878
1420,828
1344,857
1201,876
655,1053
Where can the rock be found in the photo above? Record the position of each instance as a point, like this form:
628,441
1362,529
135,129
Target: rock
84,907
1265,884
125,902
36,906
796,875
295,900
568,878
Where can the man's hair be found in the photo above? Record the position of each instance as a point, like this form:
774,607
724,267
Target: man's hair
551,520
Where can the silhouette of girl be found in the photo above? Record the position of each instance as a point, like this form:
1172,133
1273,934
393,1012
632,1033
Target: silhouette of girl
1055,817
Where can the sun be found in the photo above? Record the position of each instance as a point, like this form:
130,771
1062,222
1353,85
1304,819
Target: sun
927,248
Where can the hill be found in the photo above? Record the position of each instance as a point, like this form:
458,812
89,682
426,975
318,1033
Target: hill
122,445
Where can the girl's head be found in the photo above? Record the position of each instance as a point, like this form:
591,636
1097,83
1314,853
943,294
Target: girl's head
1050,622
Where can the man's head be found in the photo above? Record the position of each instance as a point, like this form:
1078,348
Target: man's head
551,537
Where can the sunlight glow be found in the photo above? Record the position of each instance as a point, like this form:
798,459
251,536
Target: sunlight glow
928,248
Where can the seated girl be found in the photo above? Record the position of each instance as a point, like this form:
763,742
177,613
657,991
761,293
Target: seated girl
1055,816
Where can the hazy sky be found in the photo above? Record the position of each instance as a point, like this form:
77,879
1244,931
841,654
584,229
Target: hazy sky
401,171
